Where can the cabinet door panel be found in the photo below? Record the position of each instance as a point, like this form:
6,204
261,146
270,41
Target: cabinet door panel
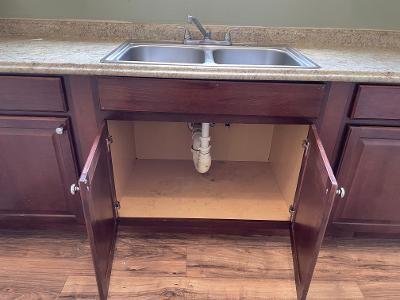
98,198
370,172
314,200
37,167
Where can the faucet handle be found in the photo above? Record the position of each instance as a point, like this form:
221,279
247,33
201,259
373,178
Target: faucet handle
228,35
187,35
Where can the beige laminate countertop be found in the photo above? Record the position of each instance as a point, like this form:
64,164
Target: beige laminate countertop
22,54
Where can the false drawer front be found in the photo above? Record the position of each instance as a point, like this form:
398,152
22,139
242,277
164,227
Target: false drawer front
211,97
32,93
377,102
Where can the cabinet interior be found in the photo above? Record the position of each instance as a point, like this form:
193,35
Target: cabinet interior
253,176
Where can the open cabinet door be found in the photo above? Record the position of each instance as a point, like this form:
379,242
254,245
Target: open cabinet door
98,197
313,204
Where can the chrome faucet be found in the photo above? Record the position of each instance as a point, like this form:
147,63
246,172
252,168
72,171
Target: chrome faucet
193,20
207,40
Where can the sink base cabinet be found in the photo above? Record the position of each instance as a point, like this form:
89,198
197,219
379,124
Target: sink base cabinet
266,176
261,173
37,167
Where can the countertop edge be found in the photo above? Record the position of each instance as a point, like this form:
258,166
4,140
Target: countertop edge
271,74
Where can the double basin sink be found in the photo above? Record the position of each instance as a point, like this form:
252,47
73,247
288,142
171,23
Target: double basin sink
180,54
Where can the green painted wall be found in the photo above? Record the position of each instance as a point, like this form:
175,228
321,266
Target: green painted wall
380,14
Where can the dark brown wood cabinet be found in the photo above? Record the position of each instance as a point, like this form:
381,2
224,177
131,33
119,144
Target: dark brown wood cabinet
38,164
370,173
99,203
37,167
31,93
246,98
377,102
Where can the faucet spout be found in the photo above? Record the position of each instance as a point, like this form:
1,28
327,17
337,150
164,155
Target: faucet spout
207,40
193,20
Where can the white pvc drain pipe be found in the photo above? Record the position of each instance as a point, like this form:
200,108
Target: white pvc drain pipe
201,147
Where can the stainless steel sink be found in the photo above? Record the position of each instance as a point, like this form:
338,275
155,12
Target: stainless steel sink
262,57
161,54
179,54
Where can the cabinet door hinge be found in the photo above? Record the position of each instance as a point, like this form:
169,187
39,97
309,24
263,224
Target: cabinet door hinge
291,211
306,144
109,141
117,205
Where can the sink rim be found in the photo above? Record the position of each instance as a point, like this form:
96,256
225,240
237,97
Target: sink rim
304,61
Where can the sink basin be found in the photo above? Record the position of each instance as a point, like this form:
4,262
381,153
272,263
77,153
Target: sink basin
162,54
217,56
264,57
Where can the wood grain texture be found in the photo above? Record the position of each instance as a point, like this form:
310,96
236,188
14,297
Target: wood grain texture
37,168
149,256
84,110
313,204
206,226
98,200
369,172
35,264
389,290
270,259
32,93
201,118
377,102
348,268
211,97
331,124
359,260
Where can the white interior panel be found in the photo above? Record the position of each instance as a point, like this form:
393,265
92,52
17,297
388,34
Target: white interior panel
172,140
122,153
253,176
286,157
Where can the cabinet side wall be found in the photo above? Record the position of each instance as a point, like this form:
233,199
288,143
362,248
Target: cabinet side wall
286,157
122,152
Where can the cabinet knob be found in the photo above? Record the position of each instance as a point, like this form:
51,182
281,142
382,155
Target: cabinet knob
74,189
60,130
341,192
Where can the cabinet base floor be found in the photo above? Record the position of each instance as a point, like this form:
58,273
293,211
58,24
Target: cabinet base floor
230,190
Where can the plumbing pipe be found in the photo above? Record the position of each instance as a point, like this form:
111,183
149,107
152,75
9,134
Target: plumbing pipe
201,147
